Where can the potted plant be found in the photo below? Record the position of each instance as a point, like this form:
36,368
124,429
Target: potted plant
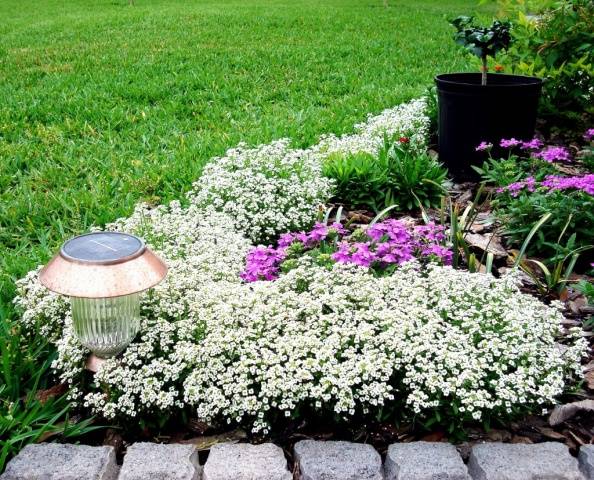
482,107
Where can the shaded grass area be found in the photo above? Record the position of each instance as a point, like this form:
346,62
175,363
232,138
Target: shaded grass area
104,103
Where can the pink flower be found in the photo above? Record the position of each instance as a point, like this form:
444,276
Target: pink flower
589,135
533,144
483,146
553,154
509,143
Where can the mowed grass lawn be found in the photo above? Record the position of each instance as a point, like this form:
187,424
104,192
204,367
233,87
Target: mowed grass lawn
103,104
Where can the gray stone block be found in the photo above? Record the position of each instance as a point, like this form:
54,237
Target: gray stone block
586,459
337,461
160,462
54,461
501,461
242,461
424,461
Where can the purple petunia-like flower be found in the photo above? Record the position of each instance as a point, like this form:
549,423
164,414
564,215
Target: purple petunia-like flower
509,143
556,182
589,134
553,154
263,263
484,146
533,144
584,183
387,243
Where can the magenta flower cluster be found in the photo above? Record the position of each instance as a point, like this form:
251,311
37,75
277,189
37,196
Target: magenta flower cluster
387,243
553,154
263,263
584,183
391,242
589,135
549,154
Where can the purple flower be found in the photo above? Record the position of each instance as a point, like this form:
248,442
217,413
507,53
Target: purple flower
553,154
558,183
445,254
584,183
262,263
589,135
286,239
362,255
390,242
343,254
533,144
509,143
483,146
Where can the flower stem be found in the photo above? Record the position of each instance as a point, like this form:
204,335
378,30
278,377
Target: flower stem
484,71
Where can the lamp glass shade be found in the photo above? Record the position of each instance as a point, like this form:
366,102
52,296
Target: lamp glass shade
106,326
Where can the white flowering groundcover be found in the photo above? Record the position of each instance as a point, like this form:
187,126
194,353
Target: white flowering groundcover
421,343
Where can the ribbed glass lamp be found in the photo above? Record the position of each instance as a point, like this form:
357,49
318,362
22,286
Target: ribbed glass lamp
104,273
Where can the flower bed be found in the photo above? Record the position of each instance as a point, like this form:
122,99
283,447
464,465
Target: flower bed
426,342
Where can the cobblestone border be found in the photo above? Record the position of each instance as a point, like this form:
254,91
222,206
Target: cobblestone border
315,460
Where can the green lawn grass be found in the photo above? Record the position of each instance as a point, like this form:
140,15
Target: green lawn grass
103,104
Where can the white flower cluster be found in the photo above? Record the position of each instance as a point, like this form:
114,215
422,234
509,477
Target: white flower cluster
406,120
266,190
204,253
336,340
345,341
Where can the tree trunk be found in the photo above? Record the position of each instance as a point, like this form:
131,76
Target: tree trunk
484,71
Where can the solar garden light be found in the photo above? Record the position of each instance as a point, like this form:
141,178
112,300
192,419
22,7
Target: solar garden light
104,273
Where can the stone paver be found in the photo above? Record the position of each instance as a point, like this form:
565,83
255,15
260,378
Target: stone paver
242,461
337,461
501,461
586,459
54,461
424,461
160,462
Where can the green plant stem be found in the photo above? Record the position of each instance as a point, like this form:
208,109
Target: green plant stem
484,71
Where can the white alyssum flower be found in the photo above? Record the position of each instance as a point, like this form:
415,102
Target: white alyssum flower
406,120
266,190
337,340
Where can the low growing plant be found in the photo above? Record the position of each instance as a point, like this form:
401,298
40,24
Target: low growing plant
381,247
425,344
540,187
358,178
25,415
395,176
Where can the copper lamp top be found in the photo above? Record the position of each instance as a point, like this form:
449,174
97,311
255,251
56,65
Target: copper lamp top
101,265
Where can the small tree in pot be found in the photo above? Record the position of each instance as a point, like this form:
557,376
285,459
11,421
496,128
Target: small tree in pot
482,41
477,107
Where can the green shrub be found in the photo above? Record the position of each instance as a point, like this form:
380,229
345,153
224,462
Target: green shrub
413,180
558,45
395,177
359,179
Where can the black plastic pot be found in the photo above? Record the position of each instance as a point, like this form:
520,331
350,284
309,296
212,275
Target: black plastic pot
470,113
